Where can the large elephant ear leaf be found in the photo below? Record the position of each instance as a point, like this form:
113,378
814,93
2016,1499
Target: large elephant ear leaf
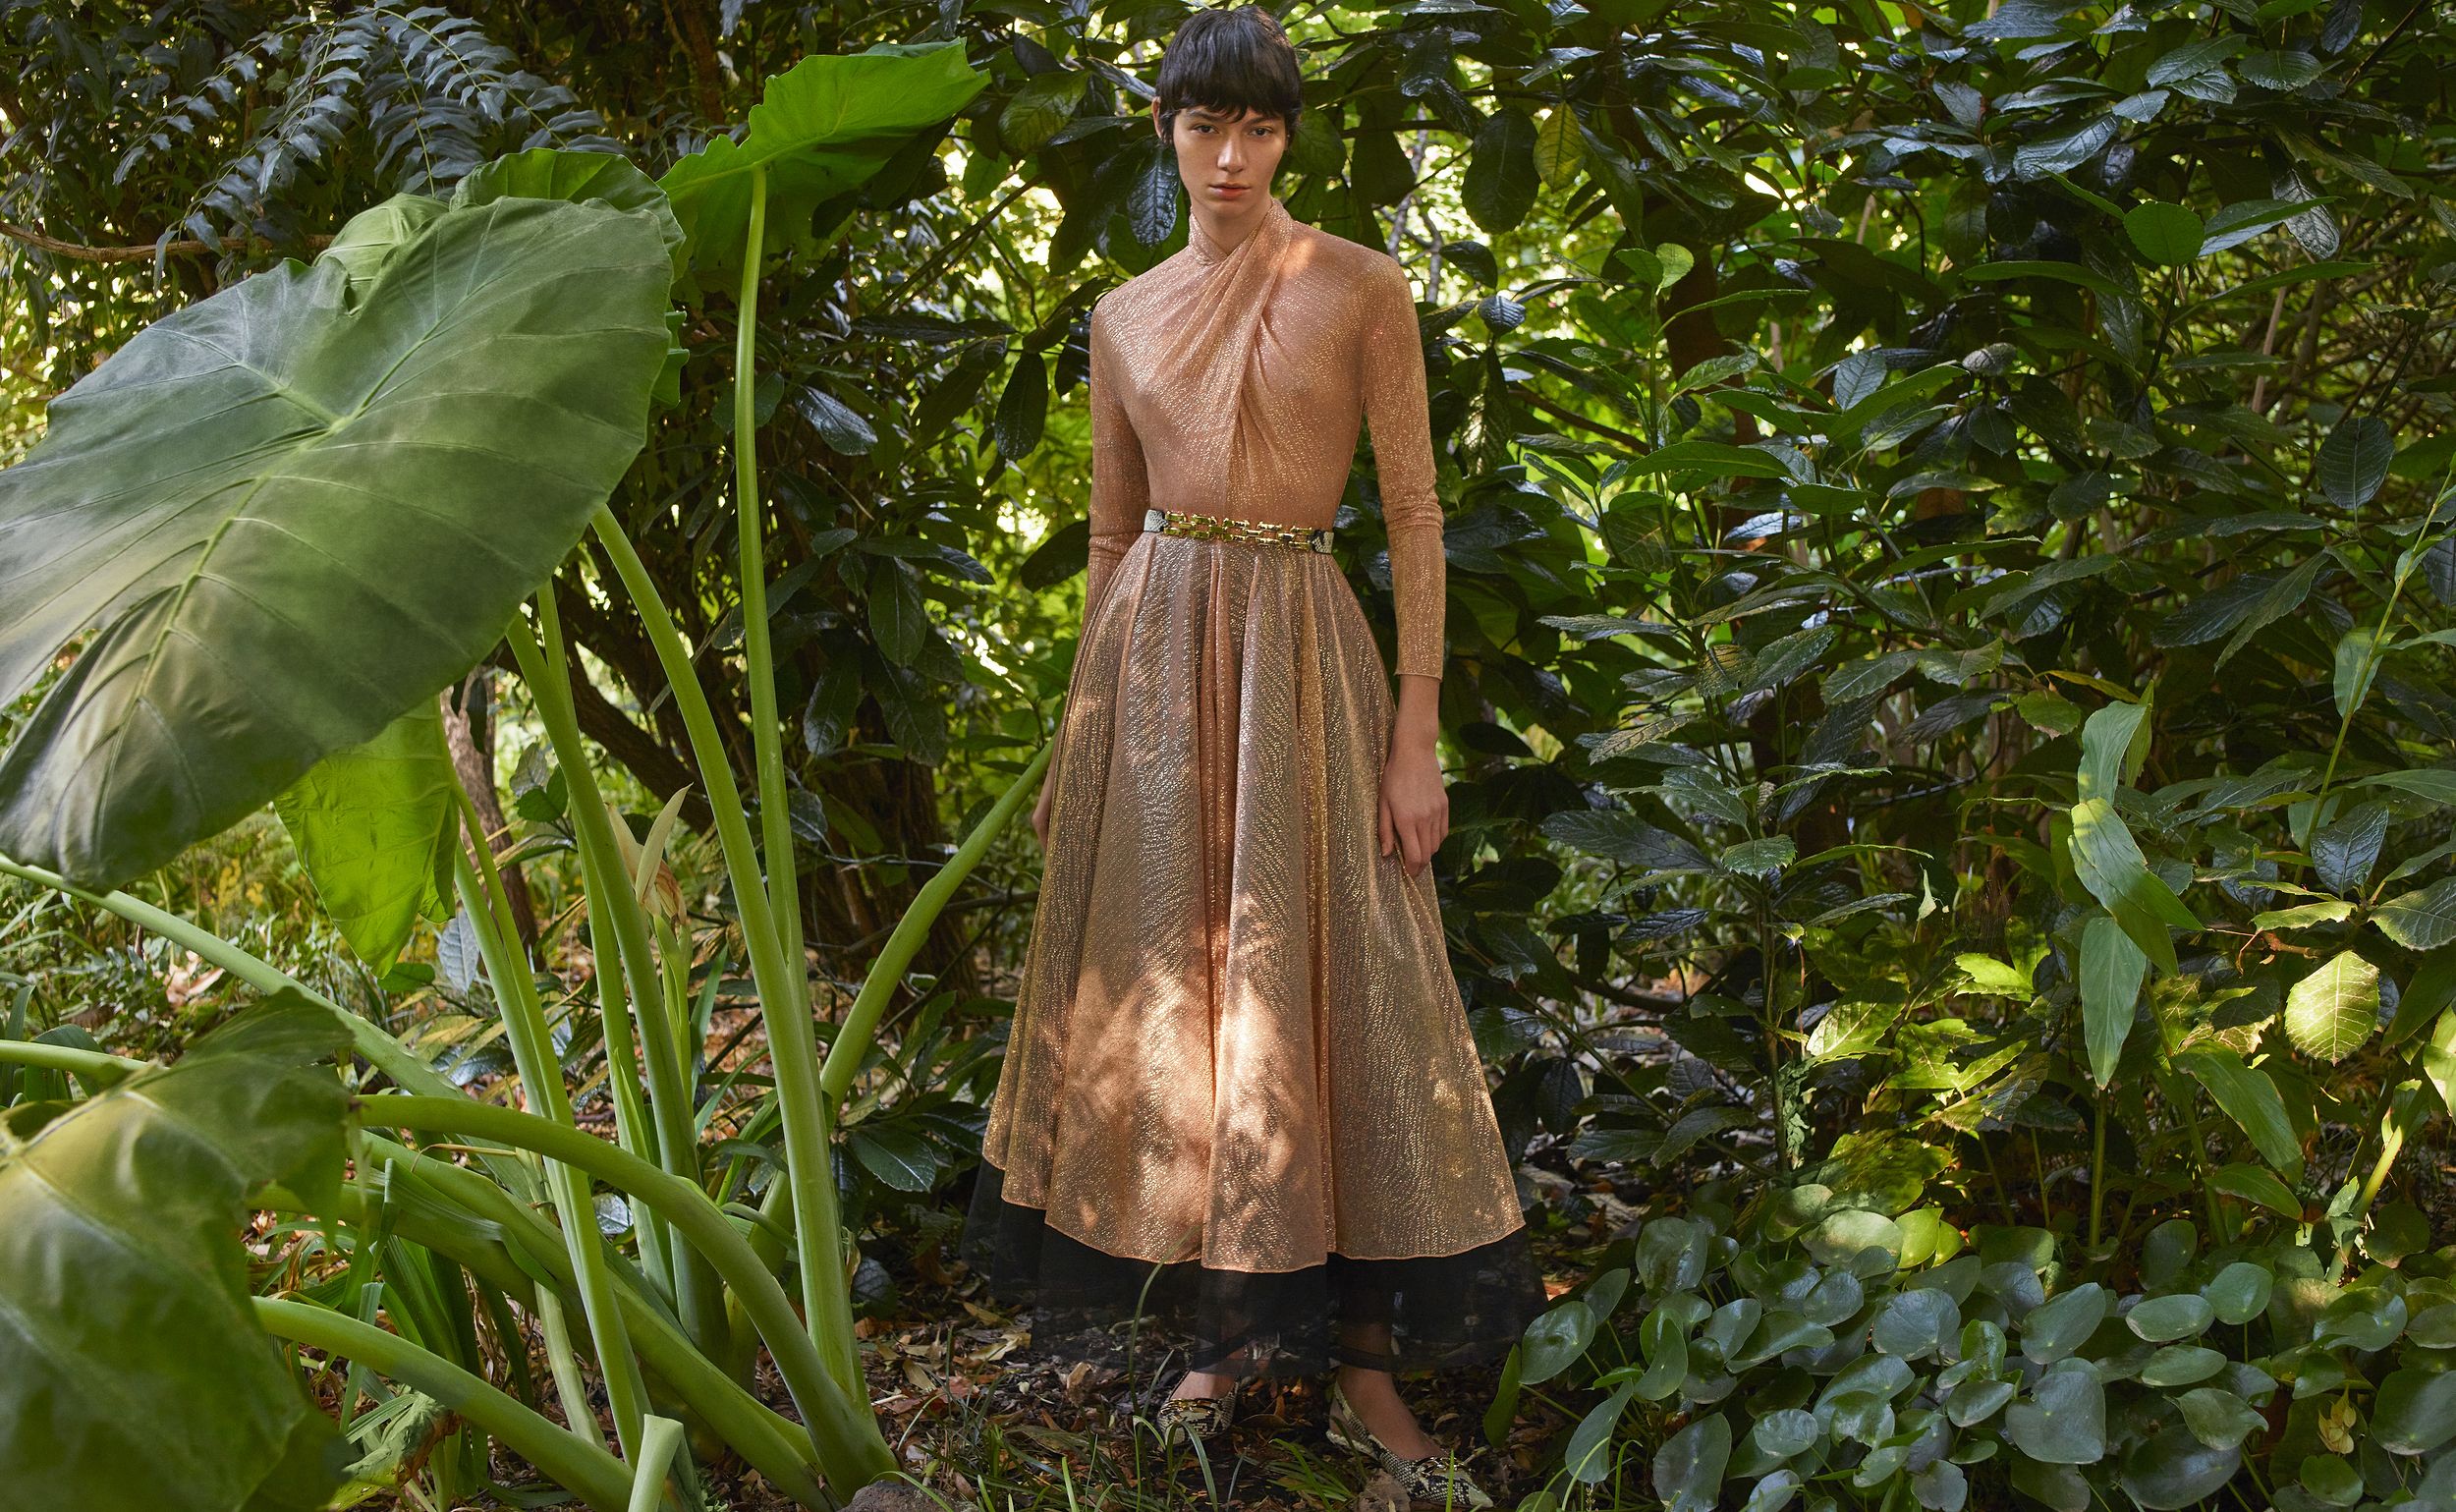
375,826
138,1375
559,173
820,127
288,515
365,245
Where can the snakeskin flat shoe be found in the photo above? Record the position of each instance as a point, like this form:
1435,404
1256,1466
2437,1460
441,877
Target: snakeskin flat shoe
1196,1417
1436,1478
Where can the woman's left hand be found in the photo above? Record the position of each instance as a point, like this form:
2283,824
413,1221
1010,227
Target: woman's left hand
1415,807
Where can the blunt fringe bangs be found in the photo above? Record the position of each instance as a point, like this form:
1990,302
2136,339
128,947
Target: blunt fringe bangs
1230,61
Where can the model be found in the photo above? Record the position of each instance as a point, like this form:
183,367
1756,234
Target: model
1240,1070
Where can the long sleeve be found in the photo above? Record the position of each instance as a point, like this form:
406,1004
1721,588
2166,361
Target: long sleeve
1392,358
1121,486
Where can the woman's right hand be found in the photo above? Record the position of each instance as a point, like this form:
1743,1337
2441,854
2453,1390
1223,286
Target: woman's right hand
1041,812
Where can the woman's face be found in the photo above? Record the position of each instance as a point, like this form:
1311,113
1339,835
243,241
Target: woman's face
1226,164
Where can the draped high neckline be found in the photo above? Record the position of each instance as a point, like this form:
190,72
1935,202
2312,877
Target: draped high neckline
1271,231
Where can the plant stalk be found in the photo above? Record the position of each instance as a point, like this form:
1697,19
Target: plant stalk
490,912
851,1452
545,669
792,1047
587,1472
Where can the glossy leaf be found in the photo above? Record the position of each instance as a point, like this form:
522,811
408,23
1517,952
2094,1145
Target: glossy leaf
2174,1469
2112,968
2333,1010
820,127
2423,919
138,1375
2055,1329
2239,1293
2064,1420
1689,1467
2109,864
2248,1096
2163,1319
2416,1412
292,514
375,826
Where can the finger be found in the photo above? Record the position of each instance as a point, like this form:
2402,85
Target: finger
1389,836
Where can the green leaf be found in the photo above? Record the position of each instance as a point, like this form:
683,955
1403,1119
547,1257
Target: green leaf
2054,1329
2166,233
1760,858
2354,460
138,1375
1784,1433
2358,657
2163,1319
2111,972
2110,866
2422,920
2064,1421
2256,1185
2174,1469
1713,456
1035,111
898,1156
1689,1467
1773,1493
375,826
2416,1411
1501,181
1663,1338
1917,1323
367,244
1584,1458
2240,1292
2431,992
1554,1341
2114,742
820,127
288,515
2333,1010
2217,1417
2248,1096
577,177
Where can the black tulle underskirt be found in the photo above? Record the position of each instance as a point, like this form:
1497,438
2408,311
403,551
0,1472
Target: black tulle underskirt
1402,1316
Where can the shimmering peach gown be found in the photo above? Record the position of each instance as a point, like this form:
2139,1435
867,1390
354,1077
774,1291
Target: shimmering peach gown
1238,1043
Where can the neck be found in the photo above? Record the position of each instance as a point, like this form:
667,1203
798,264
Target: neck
1221,230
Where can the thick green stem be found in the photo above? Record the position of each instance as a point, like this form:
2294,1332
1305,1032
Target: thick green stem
68,1058
659,1438
775,1446
490,912
570,1388
792,1045
853,1038
380,1049
845,1435
784,895
608,880
591,1474
632,1128
783,1003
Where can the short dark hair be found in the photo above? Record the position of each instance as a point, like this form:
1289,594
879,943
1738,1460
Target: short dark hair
1230,61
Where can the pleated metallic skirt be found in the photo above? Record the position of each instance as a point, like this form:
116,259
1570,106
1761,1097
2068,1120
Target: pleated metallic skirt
1238,1062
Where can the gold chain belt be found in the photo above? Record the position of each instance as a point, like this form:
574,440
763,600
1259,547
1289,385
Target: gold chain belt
1260,533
